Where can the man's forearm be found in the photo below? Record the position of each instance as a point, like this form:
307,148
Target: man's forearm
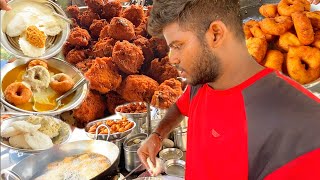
171,120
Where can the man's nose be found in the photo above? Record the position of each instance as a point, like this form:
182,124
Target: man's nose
173,58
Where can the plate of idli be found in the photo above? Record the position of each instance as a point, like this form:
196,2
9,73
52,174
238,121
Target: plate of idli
34,133
34,28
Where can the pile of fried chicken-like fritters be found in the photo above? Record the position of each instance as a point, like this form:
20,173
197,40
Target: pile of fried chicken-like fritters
110,45
167,94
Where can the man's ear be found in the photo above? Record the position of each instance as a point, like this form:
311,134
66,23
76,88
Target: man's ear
216,34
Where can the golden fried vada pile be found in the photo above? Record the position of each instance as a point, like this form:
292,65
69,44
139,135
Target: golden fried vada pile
116,126
111,47
287,39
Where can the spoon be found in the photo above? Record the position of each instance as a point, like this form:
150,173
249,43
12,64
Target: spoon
81,82
48,4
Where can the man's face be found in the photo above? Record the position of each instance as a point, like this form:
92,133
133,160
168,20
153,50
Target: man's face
191,56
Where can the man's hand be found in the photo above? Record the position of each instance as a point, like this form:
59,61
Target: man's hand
314,1
4,5
150,149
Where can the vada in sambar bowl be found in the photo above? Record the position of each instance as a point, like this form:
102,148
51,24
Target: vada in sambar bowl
33,86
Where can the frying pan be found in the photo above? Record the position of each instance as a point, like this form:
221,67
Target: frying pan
35,165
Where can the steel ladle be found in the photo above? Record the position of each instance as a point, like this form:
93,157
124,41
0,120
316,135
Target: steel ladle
80,83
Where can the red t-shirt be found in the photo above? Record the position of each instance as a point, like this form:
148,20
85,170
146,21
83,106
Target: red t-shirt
268,127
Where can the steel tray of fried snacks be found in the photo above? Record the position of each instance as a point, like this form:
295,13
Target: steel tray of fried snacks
104,136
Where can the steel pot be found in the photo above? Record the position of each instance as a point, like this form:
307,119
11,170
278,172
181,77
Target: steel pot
180,138
131,146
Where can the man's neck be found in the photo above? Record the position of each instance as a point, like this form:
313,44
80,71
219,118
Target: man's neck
236,75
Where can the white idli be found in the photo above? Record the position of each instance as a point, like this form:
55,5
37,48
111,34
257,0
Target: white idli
25,126
38,140
9,132
19,142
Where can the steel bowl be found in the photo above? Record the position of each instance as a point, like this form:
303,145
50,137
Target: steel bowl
113,136
131,115
53,43
175,167
250,10
170,153
63,137
64,67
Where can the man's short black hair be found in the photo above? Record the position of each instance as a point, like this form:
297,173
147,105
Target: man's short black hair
195,15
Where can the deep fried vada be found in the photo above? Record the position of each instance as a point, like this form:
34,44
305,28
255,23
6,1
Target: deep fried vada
17,93
86,18
167,94
257,48
103,75
269,10
128,57
287,40
111,9
287,7
83,66
96,27
303,64
61,83
92,108
95,5
79,37
114,100
316,42
303,27
146,47
276,26
75,56
162,70
274,60
73,11
160,47
37,62
138,88
134,13
121,29
104,32
103,48
314,18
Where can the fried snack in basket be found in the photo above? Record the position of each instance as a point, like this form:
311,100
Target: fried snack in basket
303,28
92,108
316,42
269,10
73,11
79,37
247,26
134,13
86,18
103,75
83,66
138,88
121,29
114,100
167,94
303,64
146,48
128,57
111,9
159,46
74,56
103,48
17,93
274,60
314,18
257,48
96,27
287,40
287,7
162,70
95,5
276,26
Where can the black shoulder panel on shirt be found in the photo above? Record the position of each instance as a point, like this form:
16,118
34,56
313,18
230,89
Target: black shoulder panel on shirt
283,123
194,90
